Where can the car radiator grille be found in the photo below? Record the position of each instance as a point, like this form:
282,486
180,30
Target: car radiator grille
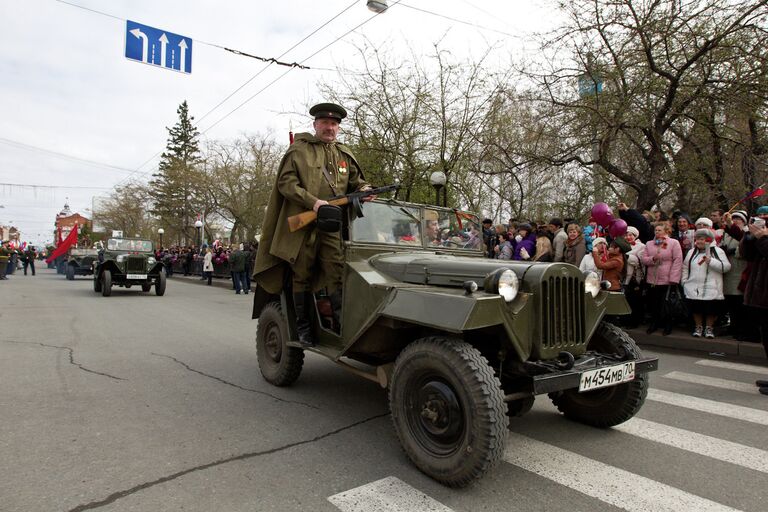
562,312
135,265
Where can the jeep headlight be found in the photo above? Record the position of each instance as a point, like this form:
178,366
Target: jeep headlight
121,257
591,283
151,261
504,282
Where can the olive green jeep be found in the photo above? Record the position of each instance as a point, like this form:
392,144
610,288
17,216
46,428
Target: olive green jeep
462,342
80,263
126,262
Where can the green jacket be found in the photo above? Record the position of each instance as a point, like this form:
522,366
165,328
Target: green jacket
5,255
237,261
300,182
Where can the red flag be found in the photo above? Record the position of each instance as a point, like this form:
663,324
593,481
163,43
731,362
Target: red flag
65,244
755,193
290,137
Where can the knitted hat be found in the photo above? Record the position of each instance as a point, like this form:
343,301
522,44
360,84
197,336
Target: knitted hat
599,240
763,210
632,230
705,233
740,214
704,220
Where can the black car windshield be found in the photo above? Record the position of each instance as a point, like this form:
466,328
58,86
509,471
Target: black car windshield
122,244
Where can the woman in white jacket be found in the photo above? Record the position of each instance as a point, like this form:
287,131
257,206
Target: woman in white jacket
703,269
208,265
634,279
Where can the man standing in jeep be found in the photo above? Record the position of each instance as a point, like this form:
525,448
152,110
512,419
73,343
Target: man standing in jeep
313,170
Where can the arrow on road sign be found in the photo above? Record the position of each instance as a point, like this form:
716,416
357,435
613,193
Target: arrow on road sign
144,43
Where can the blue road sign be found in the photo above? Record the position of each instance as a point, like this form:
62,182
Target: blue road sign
158,47
590,85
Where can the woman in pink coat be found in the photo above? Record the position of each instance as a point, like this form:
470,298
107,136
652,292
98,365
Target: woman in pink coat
663,259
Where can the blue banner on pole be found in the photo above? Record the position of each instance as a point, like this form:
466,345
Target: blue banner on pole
158,47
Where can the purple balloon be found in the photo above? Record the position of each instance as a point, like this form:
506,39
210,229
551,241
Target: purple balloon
617,228
602,214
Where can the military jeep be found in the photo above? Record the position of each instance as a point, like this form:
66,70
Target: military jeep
126,262
462,342
80,263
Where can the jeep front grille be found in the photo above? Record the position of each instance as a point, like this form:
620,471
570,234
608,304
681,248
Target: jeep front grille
135,265
562,312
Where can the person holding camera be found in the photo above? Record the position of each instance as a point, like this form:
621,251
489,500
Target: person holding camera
754,249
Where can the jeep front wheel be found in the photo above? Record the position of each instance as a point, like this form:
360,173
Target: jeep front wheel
613,405
160,285
96,282
279,364
448,410
70,273
106,283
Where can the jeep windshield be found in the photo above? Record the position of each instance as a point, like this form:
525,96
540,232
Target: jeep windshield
121,244
403,225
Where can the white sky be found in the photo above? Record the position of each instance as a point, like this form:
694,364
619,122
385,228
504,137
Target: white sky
66,87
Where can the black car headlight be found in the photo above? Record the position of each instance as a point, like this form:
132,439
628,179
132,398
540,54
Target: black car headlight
504,282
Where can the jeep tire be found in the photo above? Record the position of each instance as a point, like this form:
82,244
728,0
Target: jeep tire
96,282
448,410
279,364
160,284
106,283
70,273
613,405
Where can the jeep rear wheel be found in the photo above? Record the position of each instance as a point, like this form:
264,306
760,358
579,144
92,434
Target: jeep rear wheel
106,283
70,273
448,410
160,285
279,364
613,405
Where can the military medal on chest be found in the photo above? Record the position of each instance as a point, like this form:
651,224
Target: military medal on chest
343,167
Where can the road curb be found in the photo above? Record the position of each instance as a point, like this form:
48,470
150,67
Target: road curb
684,341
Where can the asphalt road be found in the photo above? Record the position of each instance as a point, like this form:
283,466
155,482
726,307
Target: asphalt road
145,403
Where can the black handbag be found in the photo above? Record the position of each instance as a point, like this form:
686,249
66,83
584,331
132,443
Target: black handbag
675,308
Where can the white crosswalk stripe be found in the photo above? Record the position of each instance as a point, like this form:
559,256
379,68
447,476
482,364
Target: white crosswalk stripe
751,368
386,495
606,483
709,406
720,449
714,382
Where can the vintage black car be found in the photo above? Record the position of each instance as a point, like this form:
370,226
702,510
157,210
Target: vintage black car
80,263
126,262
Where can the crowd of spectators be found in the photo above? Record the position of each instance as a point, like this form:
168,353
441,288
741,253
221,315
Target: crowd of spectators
711,273
235,261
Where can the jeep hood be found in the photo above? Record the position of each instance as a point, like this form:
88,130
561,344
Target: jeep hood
441,269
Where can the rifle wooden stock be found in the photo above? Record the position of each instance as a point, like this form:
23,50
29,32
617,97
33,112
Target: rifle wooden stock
296,222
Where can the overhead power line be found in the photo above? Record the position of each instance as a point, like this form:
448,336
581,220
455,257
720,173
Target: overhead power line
37,149
31,185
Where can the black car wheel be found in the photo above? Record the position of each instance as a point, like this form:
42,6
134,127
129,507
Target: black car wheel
96,282
70,273
160,285
448,410
106,283
279,364
609,406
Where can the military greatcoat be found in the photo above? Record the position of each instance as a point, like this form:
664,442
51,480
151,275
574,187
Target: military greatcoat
300,182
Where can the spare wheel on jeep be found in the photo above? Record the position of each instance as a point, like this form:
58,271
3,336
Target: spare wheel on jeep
448,410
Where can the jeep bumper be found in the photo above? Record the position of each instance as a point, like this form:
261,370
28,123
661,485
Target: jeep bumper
570,379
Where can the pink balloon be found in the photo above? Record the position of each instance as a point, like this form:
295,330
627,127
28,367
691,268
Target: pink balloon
617,228
602,214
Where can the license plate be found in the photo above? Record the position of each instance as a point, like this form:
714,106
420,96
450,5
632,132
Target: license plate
608,376
136,276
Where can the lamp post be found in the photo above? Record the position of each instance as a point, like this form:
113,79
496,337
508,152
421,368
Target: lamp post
377,6
199,226
160,232
437,179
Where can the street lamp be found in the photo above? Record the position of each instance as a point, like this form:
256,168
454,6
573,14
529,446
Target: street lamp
199,226
160,232
377,6
437,179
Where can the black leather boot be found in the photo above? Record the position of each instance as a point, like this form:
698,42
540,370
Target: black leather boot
336,302
303,324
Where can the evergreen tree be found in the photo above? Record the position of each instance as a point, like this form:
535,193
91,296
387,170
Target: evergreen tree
173,188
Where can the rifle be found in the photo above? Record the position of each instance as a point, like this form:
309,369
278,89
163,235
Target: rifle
296,222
